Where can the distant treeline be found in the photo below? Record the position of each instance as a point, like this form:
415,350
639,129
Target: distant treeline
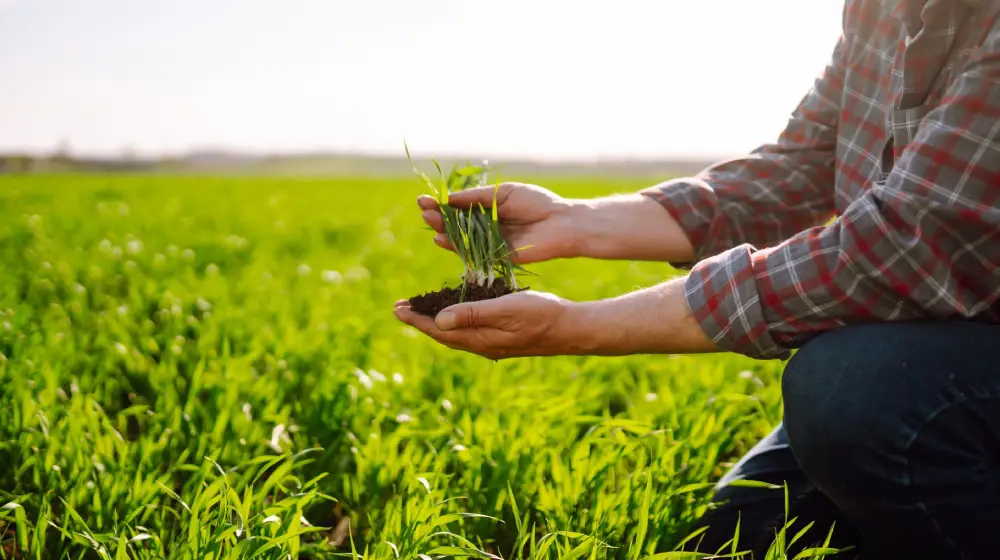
19,163
325,165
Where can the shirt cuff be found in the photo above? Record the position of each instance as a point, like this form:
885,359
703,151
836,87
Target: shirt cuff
723,296
691,202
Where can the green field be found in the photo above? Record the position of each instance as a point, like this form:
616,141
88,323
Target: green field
210,368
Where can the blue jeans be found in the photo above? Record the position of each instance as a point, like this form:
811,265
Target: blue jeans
890,430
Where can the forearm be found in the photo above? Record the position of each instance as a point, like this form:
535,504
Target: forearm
653,320
627,227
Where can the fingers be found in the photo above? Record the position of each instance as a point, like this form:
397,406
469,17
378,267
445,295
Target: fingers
463,340
442,241
427,202
467,198
433,219
431,212
422,323
473,315
478,195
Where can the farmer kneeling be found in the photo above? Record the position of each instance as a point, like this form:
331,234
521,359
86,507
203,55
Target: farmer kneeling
867,236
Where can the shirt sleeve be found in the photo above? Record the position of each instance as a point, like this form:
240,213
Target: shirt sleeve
777,190
923,244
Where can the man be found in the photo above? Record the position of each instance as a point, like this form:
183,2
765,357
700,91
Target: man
867,236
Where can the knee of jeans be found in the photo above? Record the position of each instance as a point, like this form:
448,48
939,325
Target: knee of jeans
830,413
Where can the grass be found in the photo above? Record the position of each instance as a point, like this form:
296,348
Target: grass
209,368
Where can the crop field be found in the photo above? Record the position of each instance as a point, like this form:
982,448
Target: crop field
209,367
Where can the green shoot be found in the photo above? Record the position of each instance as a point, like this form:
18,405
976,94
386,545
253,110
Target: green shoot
474,232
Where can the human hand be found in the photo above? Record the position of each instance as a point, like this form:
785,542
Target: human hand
515,325
654,320
531,217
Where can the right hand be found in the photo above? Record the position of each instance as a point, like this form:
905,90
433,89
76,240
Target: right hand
530,216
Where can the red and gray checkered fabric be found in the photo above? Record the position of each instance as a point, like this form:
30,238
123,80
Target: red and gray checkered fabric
878,202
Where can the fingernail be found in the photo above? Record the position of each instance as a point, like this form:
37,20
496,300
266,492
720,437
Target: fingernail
428,214
445,320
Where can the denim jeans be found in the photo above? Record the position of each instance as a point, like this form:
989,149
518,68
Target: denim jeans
890,430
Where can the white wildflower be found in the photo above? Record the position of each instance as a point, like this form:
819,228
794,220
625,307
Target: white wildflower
332,277
364,379
236,242
358,273
134,247
277,435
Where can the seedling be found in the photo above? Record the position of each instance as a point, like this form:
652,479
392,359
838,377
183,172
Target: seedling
487,259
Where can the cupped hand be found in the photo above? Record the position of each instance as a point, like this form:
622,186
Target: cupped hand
516,325
534,221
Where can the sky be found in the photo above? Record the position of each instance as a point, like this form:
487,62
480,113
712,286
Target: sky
546,79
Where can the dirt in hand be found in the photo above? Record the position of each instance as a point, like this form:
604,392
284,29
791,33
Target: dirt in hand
432,303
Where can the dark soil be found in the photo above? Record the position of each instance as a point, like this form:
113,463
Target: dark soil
432,303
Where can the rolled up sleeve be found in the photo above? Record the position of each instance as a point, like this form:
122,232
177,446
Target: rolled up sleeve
922,244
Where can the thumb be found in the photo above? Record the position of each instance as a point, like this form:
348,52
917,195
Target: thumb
472,197
469,315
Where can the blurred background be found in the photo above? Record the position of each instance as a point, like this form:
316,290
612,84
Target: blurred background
334,86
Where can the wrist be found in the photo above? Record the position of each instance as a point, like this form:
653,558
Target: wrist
654,320
599,227
580,331
630,227
576,217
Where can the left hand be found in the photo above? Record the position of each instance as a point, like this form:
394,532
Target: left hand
516,325
654,320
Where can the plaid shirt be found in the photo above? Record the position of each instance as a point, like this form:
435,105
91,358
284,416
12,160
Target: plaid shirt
878,202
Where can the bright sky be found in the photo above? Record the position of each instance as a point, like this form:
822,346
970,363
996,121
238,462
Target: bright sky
539,78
